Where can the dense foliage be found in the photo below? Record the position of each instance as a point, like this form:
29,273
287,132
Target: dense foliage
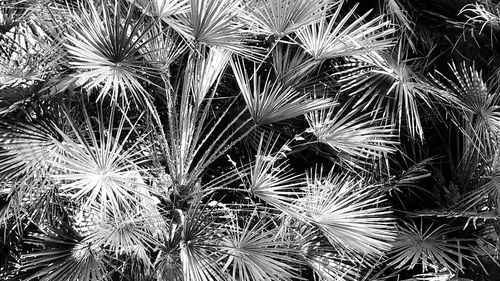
249,140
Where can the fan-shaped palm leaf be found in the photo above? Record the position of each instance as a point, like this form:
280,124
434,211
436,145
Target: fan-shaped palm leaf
27,148
255,252
132,236
27,60
208,69
198,250
427,246
164,9
105,47
487,193
64,257
269,177
273,102
478,108
389,88
292,66
214,24
329,39
354,138
282,17
348,213
168,264
324,259
97,167
164,48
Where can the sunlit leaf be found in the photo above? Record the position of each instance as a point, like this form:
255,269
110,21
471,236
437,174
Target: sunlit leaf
348,212
331,37
105,47
273,102
282,17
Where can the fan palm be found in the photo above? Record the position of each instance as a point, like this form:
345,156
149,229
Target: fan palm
183,140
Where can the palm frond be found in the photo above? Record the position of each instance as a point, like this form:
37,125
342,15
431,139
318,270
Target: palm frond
282,17
105,47
99,167
487,192
207,70
400,16
292,66
198,251
255,251
12,13
164,9
331,38
483,13
353,137
273,102
324,259
64,257
348,213
389,88
163,48
269,177
428,246
168,264
214,24
478,108
124,235
27,148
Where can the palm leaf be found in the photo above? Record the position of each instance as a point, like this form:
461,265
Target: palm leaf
329,39
64,257
105,48
487,192
389,88
255,252
478,109
292,66
164,9
214,24
12,12
348,213
400,16
354,138
207,70
324,259
270,179
164,48
168,264
282,17
96,167
198,251
482,13
132,236
273,102
427,246
27,148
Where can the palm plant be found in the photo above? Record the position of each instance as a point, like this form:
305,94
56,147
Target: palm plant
187,139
